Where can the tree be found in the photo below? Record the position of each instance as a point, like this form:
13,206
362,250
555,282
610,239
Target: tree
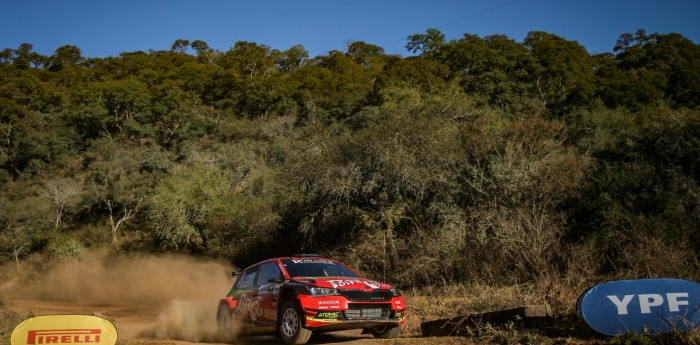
292,58
64,57
364,53
178,115
219,88
25,218
200,47
228,209
512,65
204,53
667,64
563,73
184,203
346,89
9,149
259,97
428,44
15,243
180,46
61,191
249,59
495,68
424,74
87,113
624,80
127,64
29,140
116,183
23,57
127,101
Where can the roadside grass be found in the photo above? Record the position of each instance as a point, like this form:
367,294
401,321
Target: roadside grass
9,319
566,328
447,302
674,338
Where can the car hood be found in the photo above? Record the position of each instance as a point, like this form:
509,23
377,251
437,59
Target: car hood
345,283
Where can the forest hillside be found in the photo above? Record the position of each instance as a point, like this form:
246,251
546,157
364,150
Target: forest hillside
476,160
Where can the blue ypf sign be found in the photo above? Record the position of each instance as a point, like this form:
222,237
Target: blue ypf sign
641,306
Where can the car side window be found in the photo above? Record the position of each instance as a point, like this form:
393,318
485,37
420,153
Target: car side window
248,278
267,271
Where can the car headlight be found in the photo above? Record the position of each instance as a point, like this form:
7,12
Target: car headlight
395,292
317,291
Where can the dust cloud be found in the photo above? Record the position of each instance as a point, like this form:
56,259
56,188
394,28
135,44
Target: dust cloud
182,291
191,321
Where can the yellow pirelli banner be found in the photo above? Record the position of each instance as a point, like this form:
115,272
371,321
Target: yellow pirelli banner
65,329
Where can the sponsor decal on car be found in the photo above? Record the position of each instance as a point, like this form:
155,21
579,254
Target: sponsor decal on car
328,315
328,302
325,317
348,282
251,306
312,261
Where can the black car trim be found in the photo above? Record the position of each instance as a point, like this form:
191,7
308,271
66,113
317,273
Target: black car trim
366,296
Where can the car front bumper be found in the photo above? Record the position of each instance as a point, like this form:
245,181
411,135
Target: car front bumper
338,313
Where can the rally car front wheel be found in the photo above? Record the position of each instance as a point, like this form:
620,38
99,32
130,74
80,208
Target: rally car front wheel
290,325
386,332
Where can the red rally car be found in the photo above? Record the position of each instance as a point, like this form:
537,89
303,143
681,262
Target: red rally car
295,296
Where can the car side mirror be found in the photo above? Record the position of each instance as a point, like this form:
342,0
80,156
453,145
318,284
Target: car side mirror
235,273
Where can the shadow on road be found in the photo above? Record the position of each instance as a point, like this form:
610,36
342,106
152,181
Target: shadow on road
323,338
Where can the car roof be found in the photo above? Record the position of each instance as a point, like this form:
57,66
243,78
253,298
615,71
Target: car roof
295,256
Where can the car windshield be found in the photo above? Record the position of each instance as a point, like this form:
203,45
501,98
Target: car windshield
316,268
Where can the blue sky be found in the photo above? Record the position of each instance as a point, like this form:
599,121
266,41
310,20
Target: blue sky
103,28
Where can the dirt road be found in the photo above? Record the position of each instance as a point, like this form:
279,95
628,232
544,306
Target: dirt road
151,300
139,324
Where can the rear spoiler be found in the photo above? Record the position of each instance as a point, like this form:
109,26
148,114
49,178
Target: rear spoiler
306,256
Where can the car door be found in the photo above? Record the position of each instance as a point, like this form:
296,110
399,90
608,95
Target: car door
248,309
269,281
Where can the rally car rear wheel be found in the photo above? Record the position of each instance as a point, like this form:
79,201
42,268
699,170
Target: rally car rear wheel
224,319
228,328
386,332
290,324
